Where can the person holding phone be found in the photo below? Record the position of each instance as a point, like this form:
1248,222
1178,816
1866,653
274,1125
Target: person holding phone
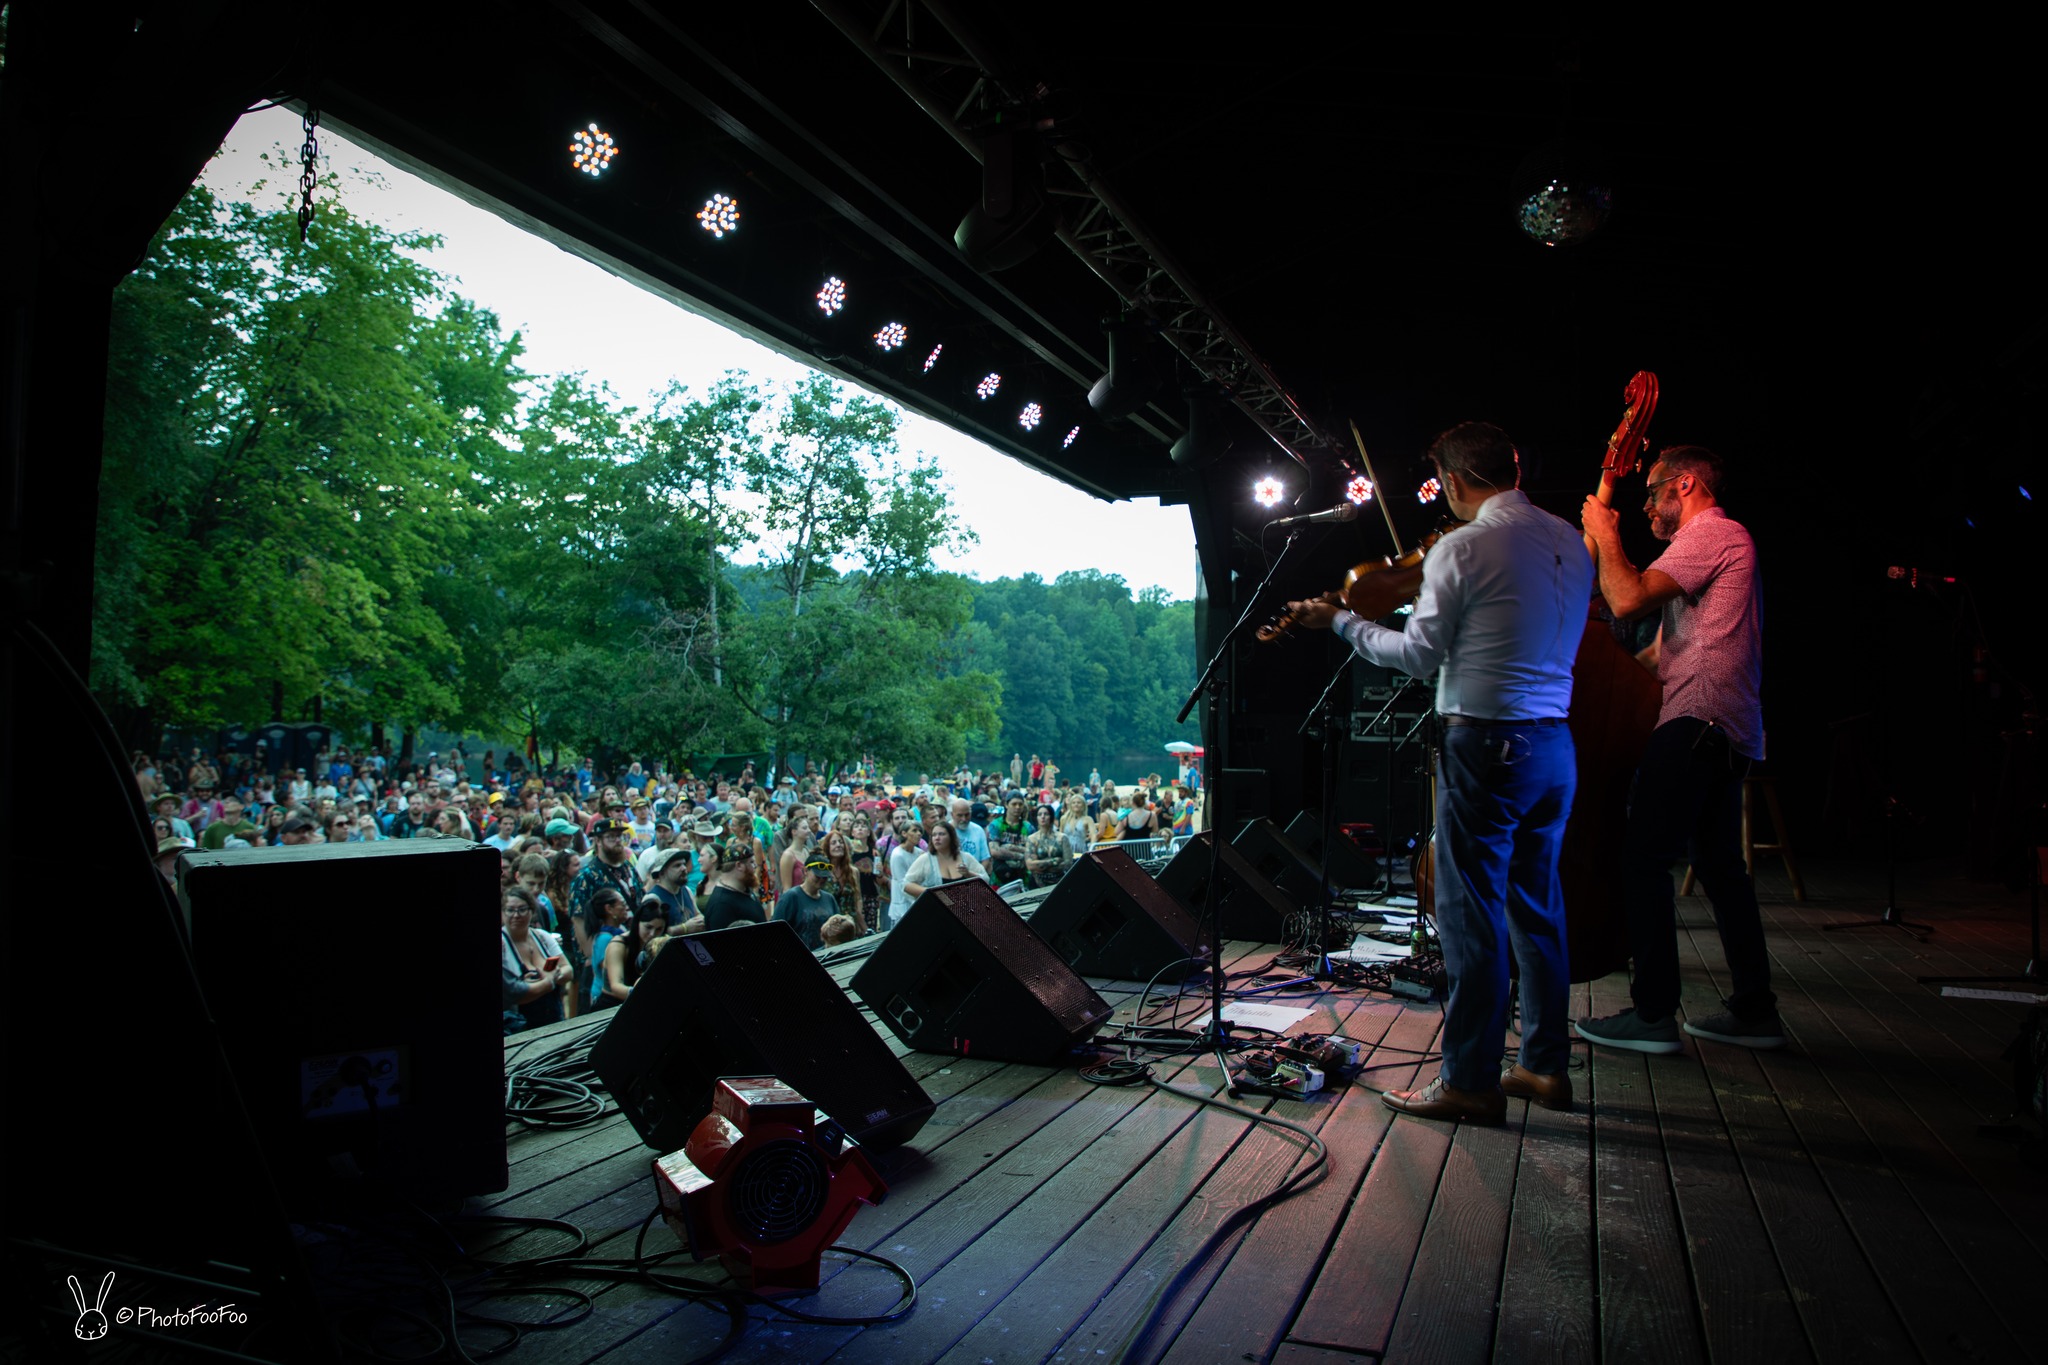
534,973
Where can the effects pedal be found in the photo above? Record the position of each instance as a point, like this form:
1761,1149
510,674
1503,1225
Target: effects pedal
1419,978
1266,1073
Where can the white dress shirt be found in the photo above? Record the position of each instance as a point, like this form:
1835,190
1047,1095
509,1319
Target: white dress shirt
1502,608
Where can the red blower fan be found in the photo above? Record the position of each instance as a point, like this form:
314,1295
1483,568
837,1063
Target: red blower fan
765,1183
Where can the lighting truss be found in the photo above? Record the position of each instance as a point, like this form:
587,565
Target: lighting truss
937,58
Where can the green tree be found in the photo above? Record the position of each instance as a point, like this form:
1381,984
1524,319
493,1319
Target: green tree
289,431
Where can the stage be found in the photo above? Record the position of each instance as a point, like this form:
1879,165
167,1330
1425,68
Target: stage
1833,1201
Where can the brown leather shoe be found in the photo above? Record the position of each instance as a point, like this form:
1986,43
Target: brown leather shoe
1439,1101
1552,1092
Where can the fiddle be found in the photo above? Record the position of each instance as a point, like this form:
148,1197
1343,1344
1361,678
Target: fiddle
1373,589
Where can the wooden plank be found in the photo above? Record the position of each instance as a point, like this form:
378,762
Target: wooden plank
1251,1304
1358,1291
1834,1289
1448,1313
1745,1303
1549,1279
1065,1155
1947,1252
1846,1118
1647,1308
1128,1308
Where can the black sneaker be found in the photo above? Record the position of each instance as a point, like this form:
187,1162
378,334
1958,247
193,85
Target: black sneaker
1631,1031
1731,1028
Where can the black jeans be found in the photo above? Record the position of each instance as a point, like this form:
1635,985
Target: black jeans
1688,792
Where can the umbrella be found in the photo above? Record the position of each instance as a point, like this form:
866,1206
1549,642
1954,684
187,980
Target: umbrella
1181,746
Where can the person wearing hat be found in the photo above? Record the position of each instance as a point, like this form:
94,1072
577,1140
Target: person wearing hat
559,833
607,865
640,831
701,834
201,810
664,839
731,868
231,823
806,906
668,880
166,807
167,851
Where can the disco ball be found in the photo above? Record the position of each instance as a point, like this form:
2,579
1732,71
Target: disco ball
1560,214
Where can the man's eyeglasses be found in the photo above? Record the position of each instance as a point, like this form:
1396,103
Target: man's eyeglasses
1650,489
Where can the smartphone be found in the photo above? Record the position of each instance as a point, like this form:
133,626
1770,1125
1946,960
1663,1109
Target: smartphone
552,963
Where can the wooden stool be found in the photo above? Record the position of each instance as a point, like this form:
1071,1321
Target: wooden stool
1750,847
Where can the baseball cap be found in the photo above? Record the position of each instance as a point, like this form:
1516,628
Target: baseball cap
604,827
555,827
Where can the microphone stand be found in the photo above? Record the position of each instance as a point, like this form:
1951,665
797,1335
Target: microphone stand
1402,684
1326,707
1214,682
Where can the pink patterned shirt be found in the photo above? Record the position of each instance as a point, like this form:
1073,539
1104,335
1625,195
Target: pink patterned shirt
1711,661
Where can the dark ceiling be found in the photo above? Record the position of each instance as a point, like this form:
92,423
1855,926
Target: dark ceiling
1803,217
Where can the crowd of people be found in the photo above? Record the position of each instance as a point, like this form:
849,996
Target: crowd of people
599,871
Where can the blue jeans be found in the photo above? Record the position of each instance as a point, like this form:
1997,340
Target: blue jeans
1688,793
1504,793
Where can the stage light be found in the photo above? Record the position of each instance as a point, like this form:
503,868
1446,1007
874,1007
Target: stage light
933,358
1135,369
591,150
1268,491
1431,490
719,215
831,296
1030,417
892,335
1359,490
989,384
1070,438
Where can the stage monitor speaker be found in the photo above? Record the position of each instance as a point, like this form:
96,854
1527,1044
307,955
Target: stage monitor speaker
356,1048
1351,867
1280,860
962,974
750,1001
1107,917
1247,905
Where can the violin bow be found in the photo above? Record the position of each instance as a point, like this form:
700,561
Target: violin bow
1379,491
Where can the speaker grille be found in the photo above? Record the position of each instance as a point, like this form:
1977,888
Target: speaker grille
777,1191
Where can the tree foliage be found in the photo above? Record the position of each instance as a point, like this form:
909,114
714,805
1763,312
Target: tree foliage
330,484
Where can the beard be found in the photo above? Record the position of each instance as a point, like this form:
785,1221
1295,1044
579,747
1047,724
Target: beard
1664,522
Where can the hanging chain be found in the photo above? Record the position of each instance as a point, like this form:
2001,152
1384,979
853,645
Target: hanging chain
308,154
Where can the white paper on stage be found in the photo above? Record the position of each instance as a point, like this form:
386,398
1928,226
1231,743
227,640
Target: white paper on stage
1278,1018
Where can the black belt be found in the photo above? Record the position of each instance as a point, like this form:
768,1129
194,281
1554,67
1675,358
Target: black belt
1452,718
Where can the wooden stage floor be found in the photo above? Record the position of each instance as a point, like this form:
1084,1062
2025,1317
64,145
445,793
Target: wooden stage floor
1834,1201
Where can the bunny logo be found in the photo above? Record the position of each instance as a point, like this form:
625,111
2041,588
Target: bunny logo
92,1323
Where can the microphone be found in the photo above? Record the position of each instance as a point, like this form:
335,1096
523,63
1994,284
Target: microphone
1343,511
1912,576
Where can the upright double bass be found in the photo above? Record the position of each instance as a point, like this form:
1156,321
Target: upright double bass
1614,709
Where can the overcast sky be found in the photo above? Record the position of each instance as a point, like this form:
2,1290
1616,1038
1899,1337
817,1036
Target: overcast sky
572,316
